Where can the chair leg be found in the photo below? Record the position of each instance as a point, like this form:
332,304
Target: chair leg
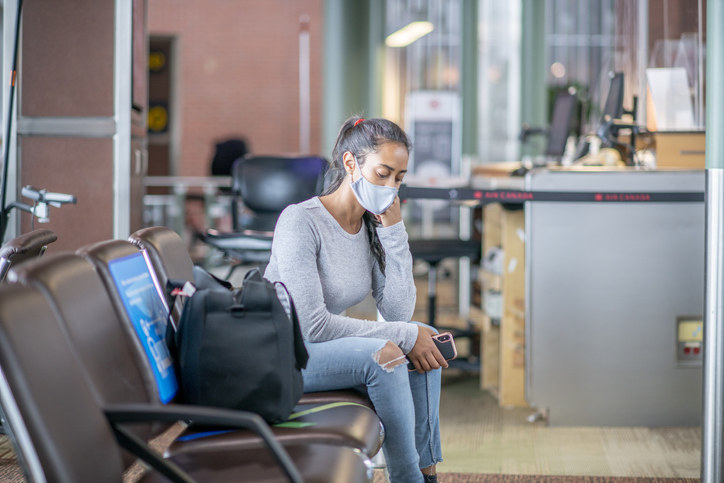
233,267
431,292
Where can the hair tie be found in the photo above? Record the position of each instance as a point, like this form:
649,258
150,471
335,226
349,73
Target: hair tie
358,121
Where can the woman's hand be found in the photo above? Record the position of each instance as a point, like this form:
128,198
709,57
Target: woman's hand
425,355
392,215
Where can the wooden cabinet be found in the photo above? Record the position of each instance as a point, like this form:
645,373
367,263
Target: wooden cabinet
503,329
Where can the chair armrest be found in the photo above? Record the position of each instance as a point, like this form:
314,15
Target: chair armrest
137,413
141,450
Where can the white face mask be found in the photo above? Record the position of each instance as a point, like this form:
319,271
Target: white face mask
372,197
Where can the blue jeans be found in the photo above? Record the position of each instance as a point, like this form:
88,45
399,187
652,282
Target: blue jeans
406,402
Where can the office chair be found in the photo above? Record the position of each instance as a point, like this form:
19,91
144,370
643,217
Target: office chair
432,252
562,120
24,247
264,186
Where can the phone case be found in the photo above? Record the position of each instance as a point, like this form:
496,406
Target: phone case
445,344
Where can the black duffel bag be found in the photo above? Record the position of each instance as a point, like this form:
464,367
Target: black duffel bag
239,348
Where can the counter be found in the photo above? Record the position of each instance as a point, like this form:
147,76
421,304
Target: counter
610,290
608,286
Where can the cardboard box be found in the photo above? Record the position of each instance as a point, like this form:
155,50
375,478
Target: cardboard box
682,150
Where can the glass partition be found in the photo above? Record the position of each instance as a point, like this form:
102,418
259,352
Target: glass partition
585,41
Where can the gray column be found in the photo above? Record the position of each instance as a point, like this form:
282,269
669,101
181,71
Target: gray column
353,50
470,77
533,66
712,424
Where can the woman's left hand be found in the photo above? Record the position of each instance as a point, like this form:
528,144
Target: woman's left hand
392,215
425,355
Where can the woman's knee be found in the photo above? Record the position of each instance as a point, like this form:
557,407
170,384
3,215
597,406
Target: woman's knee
389,356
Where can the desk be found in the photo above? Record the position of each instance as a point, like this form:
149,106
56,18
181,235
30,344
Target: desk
605,287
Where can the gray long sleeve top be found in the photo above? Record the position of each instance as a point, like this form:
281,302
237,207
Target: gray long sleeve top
328,270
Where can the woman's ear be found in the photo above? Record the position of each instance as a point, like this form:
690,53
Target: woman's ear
348,162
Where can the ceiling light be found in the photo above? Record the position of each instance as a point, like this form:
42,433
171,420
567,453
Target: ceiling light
408,34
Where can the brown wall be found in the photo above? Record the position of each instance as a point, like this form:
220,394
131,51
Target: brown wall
67,58
237,65
79,166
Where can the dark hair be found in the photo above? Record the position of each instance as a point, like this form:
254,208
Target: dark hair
362,137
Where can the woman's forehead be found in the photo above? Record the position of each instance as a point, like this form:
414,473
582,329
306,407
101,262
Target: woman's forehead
392,152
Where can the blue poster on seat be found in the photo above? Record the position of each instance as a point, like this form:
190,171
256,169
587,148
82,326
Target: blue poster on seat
147,311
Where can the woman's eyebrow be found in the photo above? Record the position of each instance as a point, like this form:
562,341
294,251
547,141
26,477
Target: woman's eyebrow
391,168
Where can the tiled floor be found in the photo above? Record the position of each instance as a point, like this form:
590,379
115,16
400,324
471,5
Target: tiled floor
478,436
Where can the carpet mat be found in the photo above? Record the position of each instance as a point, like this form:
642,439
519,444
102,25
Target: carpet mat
483,478
495,478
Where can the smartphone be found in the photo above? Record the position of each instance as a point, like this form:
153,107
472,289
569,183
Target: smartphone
445,344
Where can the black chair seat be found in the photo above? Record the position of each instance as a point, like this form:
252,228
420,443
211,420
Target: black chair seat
434,251
242,241
316,463
343,395
246,246
339,424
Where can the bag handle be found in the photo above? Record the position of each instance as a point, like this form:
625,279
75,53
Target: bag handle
300,351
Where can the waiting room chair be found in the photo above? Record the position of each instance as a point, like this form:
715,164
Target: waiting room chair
262,186
24,247
118,375
350,425
62,433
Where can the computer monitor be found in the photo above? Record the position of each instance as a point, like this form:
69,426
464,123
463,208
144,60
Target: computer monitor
613,108
564,109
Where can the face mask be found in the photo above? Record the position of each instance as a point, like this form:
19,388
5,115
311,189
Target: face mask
372,197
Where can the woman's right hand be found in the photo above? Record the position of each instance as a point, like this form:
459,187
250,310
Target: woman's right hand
425,355
392,215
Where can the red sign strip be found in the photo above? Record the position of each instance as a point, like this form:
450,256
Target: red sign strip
521,196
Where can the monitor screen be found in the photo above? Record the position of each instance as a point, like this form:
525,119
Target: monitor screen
564,108
146,308
613,107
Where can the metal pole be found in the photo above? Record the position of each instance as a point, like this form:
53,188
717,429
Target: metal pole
9,122
122,100
713,391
